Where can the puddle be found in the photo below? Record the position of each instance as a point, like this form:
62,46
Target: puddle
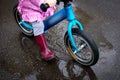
28,67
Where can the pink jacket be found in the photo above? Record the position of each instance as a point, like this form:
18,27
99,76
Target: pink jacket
30,10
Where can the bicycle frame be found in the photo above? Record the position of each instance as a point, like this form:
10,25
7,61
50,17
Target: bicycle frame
65,13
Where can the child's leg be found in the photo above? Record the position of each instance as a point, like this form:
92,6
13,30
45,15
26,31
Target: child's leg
38,28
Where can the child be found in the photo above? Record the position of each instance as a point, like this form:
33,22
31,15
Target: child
31,12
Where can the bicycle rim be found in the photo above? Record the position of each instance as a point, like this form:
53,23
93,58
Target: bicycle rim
25,30
87,52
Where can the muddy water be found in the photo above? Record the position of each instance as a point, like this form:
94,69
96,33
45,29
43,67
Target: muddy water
30,66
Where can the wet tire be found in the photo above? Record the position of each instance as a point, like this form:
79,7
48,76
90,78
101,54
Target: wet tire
87,55
25,30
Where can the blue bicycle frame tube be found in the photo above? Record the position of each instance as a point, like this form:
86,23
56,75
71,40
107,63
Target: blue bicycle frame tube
55,19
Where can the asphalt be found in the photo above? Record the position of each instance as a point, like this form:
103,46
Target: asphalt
19,54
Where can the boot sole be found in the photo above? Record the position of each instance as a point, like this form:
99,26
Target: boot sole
48,59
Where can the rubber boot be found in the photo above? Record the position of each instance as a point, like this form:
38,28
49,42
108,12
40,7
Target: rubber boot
45,51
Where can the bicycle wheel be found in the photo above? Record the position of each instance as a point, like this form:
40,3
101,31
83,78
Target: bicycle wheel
87,53
25,30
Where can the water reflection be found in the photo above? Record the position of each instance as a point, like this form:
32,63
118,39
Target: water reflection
72,70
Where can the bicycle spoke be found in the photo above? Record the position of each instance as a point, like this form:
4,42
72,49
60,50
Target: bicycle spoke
82,46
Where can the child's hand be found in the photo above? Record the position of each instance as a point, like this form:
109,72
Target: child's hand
51,3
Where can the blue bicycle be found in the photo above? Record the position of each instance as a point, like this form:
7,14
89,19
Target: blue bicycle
78,44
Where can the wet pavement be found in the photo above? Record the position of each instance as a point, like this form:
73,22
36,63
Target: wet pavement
19,54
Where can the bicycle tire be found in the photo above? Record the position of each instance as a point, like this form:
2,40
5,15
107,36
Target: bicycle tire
84,39
25,30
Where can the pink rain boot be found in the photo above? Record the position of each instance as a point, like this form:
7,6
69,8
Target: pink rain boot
45,52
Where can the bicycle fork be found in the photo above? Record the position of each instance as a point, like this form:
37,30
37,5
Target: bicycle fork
72,23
